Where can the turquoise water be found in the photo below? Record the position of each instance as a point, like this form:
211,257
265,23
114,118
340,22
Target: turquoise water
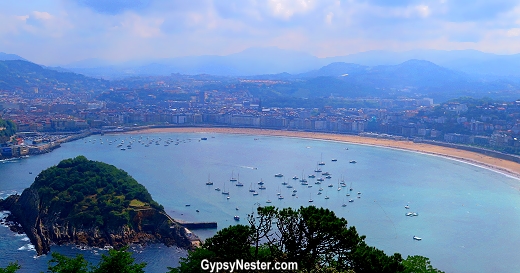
468,216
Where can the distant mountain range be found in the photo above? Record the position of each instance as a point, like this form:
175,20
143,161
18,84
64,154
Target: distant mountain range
376,73
272,60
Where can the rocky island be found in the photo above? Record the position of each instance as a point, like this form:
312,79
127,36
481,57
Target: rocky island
90,203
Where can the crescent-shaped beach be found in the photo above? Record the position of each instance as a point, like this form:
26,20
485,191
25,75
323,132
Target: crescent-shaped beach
497,164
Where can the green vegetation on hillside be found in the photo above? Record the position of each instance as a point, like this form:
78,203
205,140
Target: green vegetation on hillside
88,193
7,129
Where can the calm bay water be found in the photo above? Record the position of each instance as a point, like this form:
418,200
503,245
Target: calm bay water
468,216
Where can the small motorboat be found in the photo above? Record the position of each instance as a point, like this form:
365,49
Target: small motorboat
236,217
417,238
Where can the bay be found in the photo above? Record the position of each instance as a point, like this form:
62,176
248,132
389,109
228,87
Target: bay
467,215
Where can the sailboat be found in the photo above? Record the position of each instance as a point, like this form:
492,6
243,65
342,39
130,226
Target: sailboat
224,190
317,170
284,182
232,179
302,179
209,183
321,160
239,184
251,188
310,198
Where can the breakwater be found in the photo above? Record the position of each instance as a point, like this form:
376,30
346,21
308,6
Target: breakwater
198,225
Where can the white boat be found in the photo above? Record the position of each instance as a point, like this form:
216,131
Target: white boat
417,238
278,175
217,189
236,217
407,207
351,201
268,201
255,193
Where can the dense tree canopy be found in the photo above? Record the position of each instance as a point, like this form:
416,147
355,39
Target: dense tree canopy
313,237
90,193
117,261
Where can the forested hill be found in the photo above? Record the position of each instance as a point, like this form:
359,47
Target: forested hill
7,129
18,74
92,203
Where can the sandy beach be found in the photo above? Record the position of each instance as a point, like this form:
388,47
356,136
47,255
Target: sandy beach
505,166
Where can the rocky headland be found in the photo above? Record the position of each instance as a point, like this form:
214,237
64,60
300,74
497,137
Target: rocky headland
90,203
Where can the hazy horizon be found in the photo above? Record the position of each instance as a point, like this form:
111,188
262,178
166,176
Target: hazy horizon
57,32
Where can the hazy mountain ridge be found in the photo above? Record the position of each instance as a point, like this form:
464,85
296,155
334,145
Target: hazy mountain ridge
16,74
411,77
10,57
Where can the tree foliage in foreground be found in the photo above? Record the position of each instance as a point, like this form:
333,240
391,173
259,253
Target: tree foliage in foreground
313,237
11,268
117,261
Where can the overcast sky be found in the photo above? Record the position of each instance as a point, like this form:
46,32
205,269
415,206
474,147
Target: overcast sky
61,31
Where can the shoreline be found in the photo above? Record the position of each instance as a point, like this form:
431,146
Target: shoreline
503,166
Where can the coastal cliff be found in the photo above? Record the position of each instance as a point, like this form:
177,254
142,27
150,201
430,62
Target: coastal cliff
90,203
